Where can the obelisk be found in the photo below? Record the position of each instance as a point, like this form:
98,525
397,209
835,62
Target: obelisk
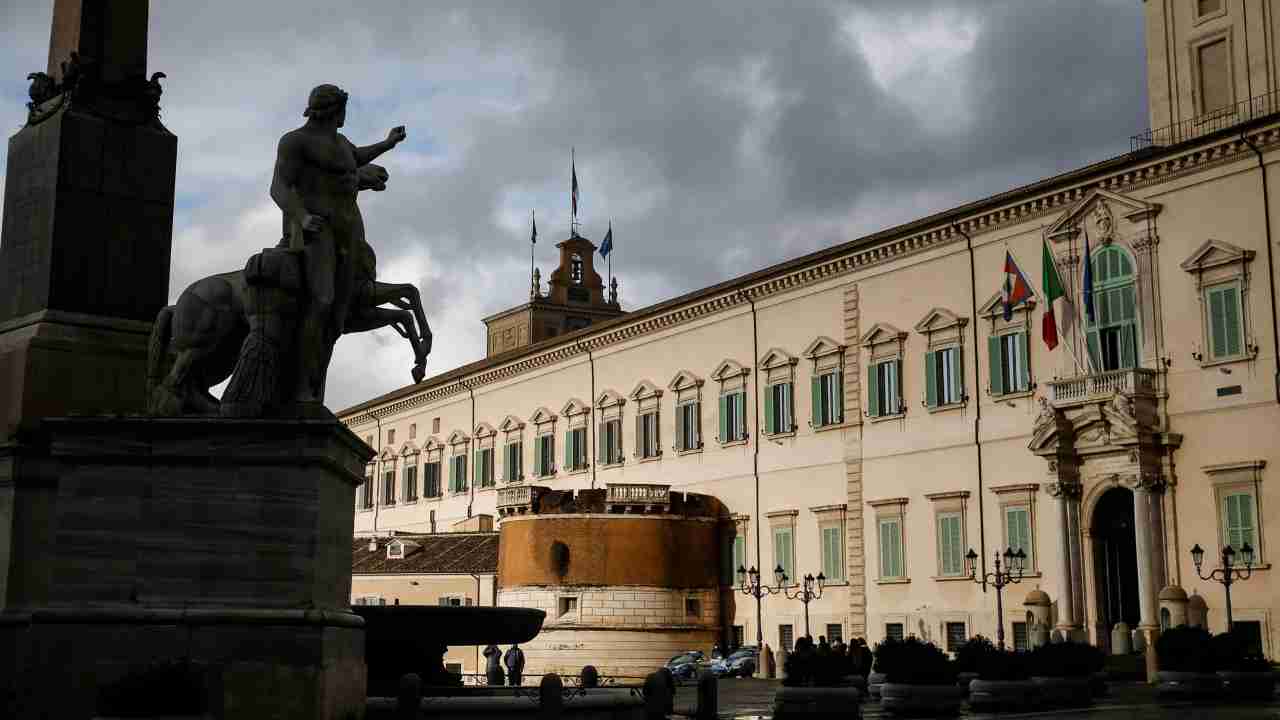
88,220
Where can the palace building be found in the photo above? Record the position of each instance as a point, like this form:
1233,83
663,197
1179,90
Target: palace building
872,411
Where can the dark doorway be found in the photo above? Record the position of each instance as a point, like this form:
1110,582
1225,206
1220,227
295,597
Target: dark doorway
1116,558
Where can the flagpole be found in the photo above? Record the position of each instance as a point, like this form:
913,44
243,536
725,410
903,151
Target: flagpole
1068,343
533,241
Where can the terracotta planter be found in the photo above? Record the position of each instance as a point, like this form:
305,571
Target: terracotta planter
1064,691
828,701
1248,686
875,681
1188,686
906,700
1011,695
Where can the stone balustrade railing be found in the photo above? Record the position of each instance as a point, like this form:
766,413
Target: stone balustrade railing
1100,386
515,499
630,494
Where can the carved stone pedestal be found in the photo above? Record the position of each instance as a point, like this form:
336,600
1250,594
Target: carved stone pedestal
135,542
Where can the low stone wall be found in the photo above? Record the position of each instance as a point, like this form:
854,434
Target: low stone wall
625,607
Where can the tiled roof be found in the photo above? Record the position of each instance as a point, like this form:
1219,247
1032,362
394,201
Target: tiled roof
445,553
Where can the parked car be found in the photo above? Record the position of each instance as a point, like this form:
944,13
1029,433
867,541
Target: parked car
685,666
739,663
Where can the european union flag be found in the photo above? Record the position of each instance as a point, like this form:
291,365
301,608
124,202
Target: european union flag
607,245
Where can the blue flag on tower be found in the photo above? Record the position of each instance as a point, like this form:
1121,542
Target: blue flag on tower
607,245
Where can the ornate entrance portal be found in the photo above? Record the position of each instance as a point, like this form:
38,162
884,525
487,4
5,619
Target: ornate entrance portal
1115,563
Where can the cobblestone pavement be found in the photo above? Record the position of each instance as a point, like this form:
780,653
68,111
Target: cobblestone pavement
745,699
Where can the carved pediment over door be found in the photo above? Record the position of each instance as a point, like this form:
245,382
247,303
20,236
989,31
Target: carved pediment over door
1105,215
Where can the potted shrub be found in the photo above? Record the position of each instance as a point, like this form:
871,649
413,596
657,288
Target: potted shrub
969,657
1247,675
1064,672
1186,662
1003,681
817,682
919,678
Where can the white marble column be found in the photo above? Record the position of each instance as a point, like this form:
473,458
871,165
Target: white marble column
1146,492
1070,597
1077,564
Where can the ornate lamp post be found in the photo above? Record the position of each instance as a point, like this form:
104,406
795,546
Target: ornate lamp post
1228,573
1008,574
749,583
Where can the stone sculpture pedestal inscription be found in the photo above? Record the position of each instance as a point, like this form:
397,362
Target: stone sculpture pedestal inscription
225,542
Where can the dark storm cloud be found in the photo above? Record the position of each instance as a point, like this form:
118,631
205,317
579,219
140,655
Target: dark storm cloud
718,136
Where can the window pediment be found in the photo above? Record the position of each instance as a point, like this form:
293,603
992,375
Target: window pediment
433,443
457,437
388,453
408,448
728,369
821,346
940,319
542,415
1215,253
882,333
609,398
575,407
1098,210
776,358
484,429
511,423
645,390
684,380
994,306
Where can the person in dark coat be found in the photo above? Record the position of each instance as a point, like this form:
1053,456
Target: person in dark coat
493,665
514,660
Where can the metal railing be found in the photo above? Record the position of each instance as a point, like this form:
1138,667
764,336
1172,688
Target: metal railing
628,494
1099,386
1208,123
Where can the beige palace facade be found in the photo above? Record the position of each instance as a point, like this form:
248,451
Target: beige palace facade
868,411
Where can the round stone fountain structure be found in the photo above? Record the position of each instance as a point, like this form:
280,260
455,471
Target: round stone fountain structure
628,575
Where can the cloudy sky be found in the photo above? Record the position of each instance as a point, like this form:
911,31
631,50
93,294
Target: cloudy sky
719,136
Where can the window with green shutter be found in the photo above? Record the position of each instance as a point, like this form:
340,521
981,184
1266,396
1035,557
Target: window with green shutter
458,474
739,552
611,441
950,544
1239,522
1007,358
1017,529
575,449
784,551
891,548
1112,336
431,479
544,448
827,398
832,553
778,407
885,392
942,370
1226,332
515,461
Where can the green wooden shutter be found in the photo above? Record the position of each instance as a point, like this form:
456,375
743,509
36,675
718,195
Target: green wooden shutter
873,390
768,410
681,414
740,414
1231,314
957,373
995,363
931,379
538,468
1217,323
1024,367
1128,346
476,467
837,394
1239,523
568,450
724,418
897,386
815,400
1095,352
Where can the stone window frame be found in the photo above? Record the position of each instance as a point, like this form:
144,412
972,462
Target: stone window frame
433,452
1194,46
1020,321
568,616
956,617
741,525
697,604
779,367
512,429
544,426
457,439
391,436
409,453
732,377
1199,17
1020,495
949,504
782,520
827,517
609,405
1233,478
944,330
885,343
366,498
686,389
485,438
828,357
413,431
648,400
385,458
1215,264
895,509
577,415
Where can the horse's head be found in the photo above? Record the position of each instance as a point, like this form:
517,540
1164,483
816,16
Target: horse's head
372,177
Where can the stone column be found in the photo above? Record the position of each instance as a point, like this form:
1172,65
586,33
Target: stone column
1147,488
1077,564
1070,600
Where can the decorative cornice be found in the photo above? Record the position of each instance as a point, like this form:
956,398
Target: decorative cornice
1015,488
1064,490
822,509
888,501
952,495
1046,197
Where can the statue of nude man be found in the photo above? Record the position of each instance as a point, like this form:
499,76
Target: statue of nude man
315,184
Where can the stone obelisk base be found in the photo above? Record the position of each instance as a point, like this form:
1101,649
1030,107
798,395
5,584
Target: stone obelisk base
135,545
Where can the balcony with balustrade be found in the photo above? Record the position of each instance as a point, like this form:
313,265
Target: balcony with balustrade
1102,386
517,499
635,498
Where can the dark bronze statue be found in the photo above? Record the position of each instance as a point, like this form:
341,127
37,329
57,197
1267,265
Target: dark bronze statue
271,327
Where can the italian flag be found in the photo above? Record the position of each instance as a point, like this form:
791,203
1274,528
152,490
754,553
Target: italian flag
1058,305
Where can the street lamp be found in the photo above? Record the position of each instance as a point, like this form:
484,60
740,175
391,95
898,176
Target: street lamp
806,594
749,583
1228,573
1014,564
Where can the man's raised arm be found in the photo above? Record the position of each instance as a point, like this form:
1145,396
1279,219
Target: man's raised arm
367,154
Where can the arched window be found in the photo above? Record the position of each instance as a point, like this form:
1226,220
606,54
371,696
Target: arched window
1113,334
575,269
